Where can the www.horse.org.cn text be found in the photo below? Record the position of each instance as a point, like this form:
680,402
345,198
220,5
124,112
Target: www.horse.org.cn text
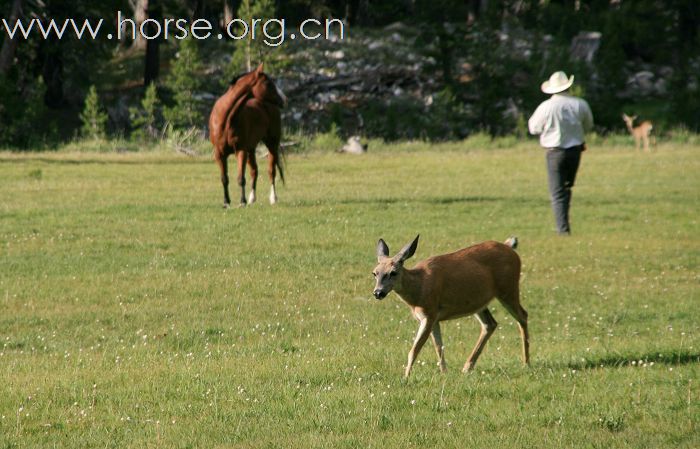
272,32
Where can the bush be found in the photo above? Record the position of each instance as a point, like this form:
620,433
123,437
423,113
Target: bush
20,111
328,141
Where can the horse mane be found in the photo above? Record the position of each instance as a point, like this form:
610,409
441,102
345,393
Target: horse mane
235,79
237,96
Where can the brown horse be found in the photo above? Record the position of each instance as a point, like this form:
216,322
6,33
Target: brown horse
249,112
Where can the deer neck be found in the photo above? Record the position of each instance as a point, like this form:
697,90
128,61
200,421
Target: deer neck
410,286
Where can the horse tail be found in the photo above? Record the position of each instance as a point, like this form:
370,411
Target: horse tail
278,162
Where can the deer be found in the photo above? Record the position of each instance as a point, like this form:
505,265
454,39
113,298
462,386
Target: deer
454,285
639,132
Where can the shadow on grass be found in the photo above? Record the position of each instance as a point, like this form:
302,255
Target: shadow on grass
445,200
622,360
166,160
406,200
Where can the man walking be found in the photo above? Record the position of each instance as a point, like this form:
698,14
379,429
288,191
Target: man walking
561,122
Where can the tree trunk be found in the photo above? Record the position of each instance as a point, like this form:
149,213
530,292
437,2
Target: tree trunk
200,10
52,72
152,66
445,45
248,50
474,10
228,13
140,8
359,10
9,46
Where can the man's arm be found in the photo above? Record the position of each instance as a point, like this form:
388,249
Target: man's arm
537,121
586,116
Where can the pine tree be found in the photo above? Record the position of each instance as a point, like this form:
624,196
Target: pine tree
183,82
144,119
93,117
248,52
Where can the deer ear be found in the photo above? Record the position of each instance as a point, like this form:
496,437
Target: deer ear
407,251
382,250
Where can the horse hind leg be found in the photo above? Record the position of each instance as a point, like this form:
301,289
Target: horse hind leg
221,161
272,163
253,168
242,157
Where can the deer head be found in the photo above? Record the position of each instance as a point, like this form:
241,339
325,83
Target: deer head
389,269
629,120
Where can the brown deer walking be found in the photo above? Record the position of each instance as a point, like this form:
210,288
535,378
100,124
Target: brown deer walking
451,286
640,132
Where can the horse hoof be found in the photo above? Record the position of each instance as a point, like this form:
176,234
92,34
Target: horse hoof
226,205
242,204
251,198
273,199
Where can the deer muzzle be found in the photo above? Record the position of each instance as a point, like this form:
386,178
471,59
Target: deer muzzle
380,294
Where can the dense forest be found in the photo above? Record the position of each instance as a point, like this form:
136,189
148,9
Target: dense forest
398,69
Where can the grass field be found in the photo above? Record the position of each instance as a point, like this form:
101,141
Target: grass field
135,312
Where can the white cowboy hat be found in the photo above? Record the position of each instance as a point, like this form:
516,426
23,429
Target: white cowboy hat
556,83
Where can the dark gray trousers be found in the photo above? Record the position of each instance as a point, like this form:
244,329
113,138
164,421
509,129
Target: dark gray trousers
562,165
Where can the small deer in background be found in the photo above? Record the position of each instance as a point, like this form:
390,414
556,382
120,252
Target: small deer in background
452,286
639,132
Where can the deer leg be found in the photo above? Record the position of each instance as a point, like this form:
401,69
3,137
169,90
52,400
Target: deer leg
424,330
253,168
516,310
242,157
221,161
439,348
488,326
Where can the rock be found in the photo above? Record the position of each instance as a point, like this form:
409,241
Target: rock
585,45
204,96
642,82
119,113
661,86
353,146
395,37
338,54
666,72
396,26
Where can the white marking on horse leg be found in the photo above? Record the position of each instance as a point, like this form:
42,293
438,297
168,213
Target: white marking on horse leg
273,195
251,197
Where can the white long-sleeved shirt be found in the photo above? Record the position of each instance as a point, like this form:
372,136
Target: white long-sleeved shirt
561,121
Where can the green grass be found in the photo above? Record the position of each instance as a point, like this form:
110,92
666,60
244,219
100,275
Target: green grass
135,312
